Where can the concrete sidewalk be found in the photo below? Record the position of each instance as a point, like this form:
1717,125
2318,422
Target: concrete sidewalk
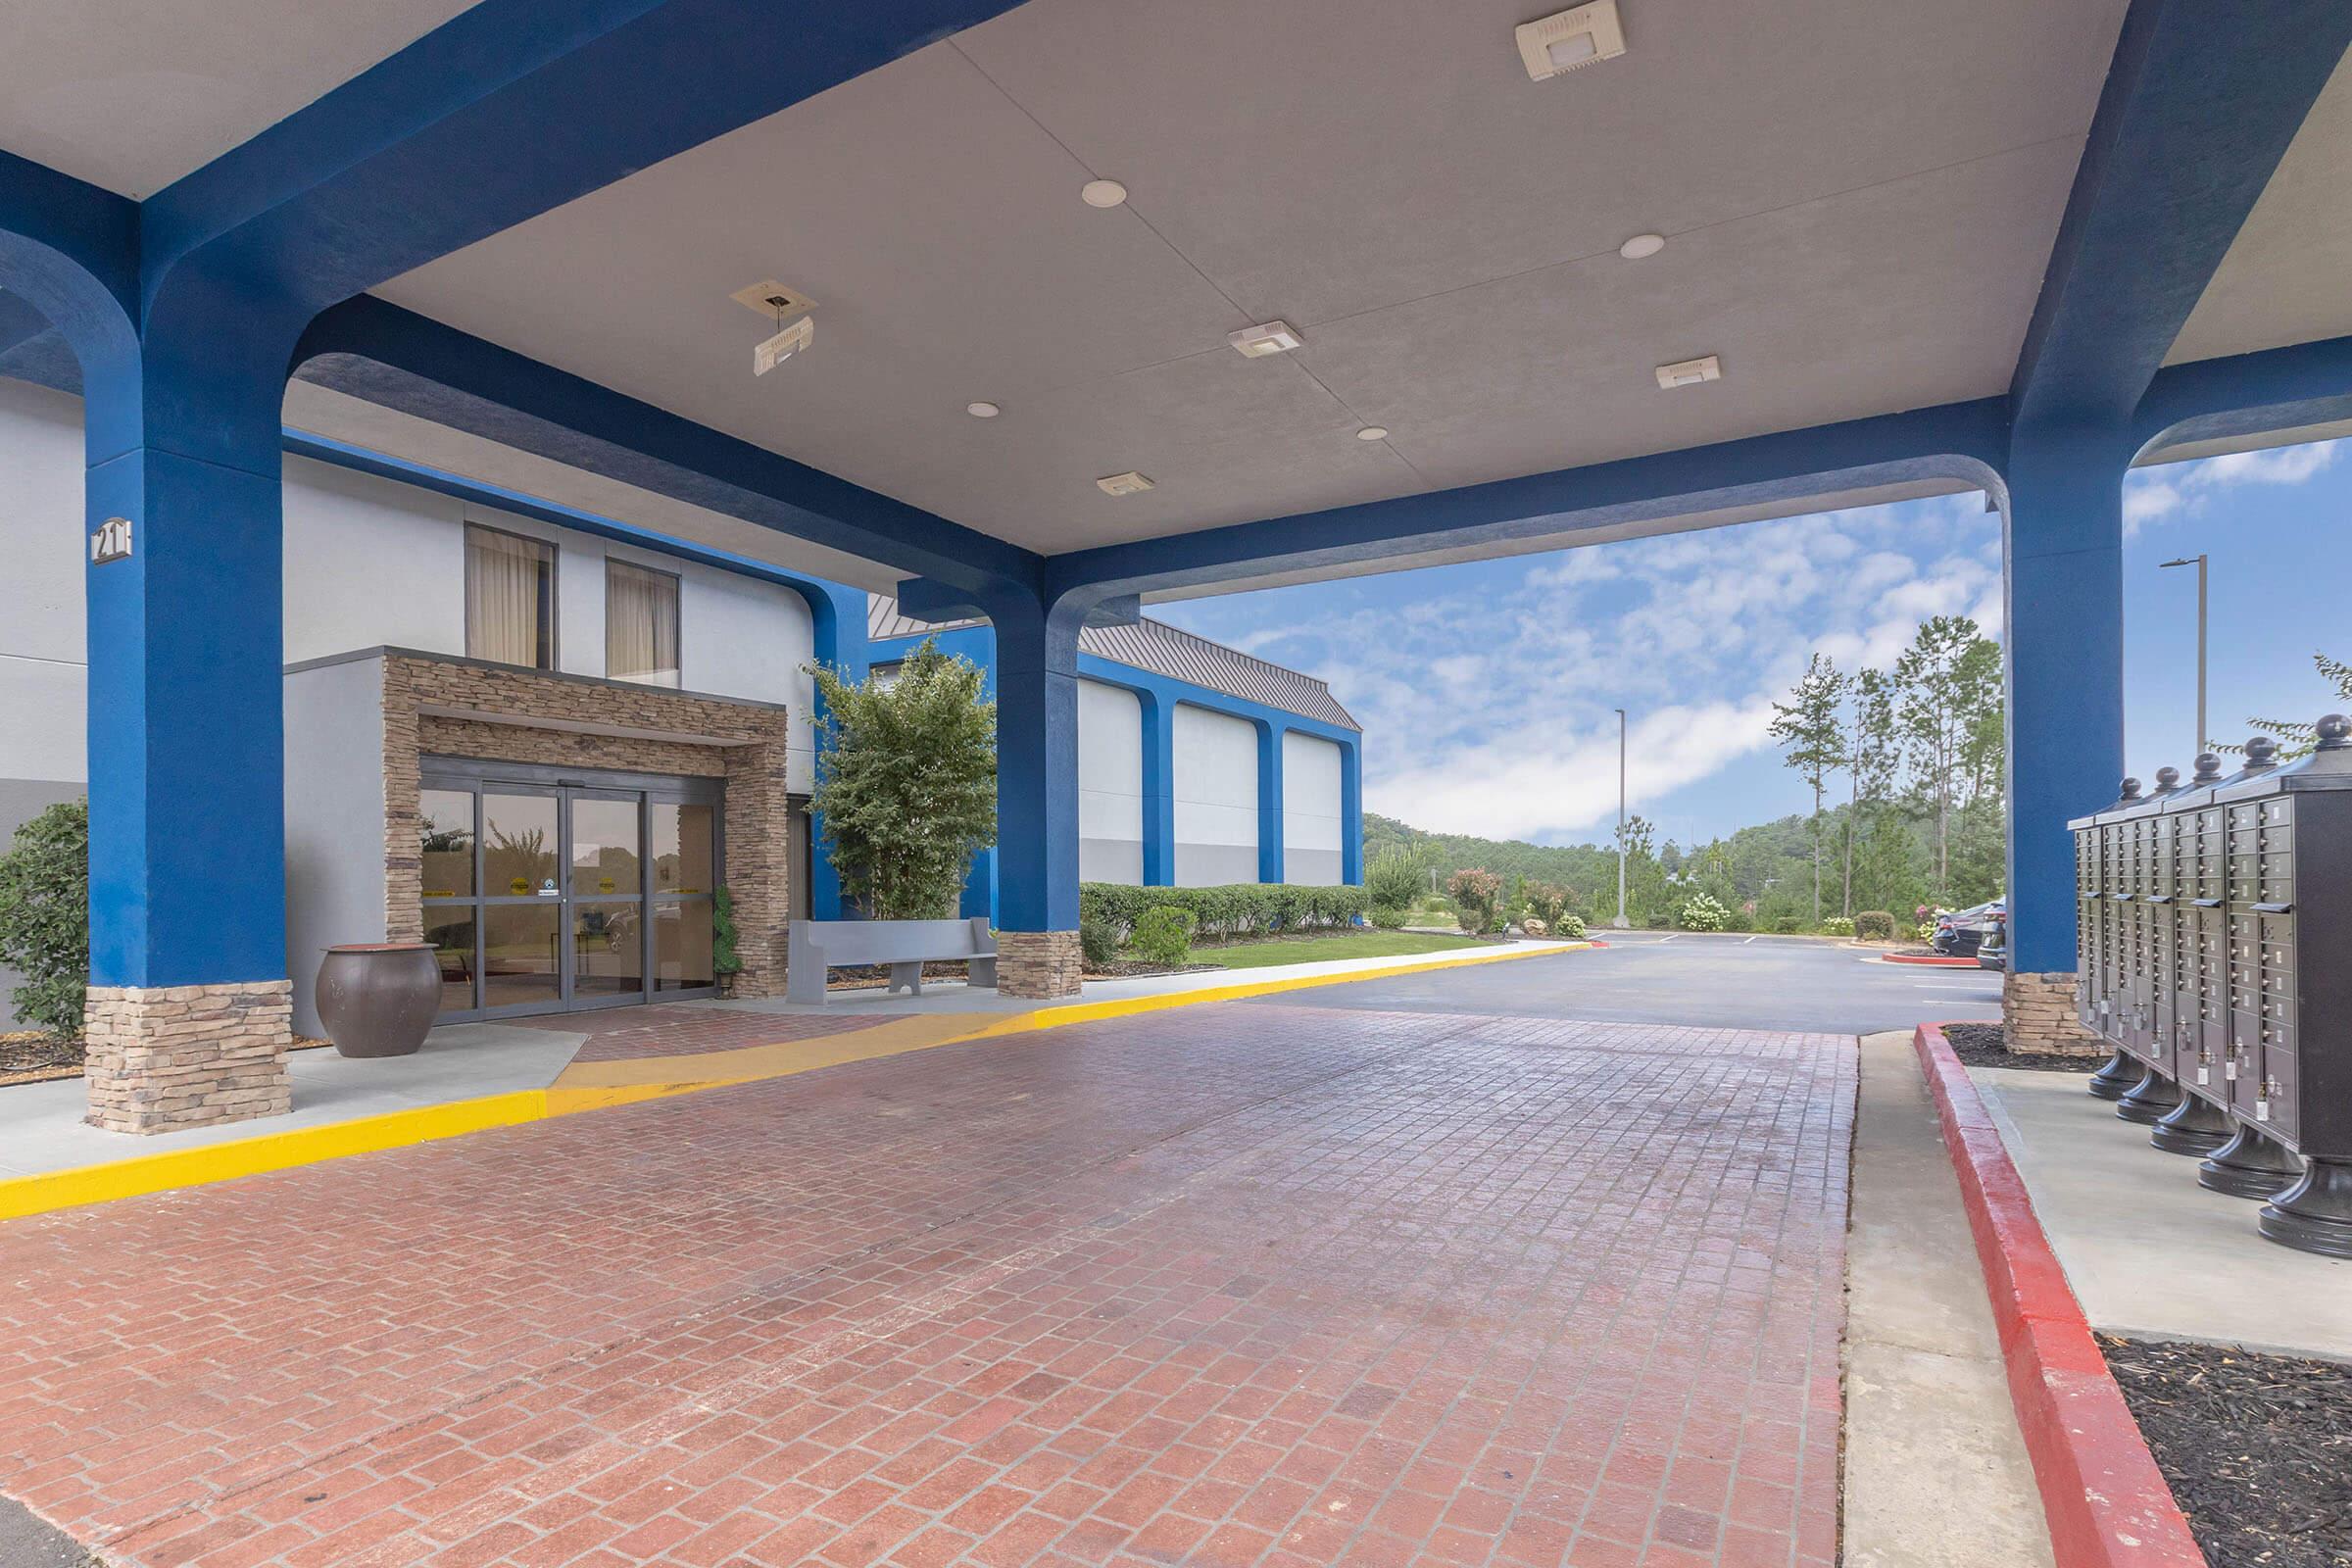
1937,1474
2148,1251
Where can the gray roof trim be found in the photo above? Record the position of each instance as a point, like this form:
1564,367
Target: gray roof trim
1163,650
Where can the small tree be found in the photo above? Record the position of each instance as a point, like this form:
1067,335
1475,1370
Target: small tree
726,956
907,782
45,917
1475,892
2297,737
1808,724
1396,879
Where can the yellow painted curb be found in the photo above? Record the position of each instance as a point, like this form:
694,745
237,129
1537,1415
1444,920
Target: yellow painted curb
251,1156
596,1086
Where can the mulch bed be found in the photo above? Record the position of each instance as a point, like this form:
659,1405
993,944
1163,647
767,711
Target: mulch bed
28,1055
2257,1448
1136,969
1917,952
1984,1044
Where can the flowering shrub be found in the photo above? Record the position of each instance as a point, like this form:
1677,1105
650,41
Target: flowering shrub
1838,925
1475,894
1702,913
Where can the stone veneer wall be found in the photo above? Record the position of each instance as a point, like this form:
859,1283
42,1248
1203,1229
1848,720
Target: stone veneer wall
1038,965
162,1057
750,756
2037,1014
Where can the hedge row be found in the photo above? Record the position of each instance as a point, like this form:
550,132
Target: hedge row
1240,908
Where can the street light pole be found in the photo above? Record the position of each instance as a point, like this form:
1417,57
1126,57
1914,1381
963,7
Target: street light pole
2204,737
1619,922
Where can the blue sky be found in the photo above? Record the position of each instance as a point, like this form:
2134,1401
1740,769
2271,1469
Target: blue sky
1486,690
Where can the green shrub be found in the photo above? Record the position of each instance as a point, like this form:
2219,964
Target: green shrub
45,917
1874,925
1702,912
1163,934
1838,925
1549,902
1223,914
1570,928
1477,900
1786,925
1099,941
1385,920
1395,879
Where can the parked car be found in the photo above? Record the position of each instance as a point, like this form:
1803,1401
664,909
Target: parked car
1992,953
1960,932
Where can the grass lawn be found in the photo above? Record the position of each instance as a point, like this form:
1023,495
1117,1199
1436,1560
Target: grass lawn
1319,950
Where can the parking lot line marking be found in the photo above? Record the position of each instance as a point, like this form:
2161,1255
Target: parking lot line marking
1744,944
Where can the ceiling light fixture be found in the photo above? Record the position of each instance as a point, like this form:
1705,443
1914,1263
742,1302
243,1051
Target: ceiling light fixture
1373,433
982,410
1556,45
1272,337
1689,373
1642,247
1130,484
1103,193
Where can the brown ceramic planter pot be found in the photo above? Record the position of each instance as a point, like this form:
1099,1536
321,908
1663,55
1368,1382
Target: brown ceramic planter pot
378,999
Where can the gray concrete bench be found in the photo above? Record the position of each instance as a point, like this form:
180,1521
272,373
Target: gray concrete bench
813,948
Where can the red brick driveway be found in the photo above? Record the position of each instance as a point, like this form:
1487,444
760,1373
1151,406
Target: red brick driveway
1240,1284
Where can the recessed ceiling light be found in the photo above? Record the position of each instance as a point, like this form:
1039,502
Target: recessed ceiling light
1103,193
1556,45
1641,246
1373,433
1130,484
982,411
1256,342
1689,373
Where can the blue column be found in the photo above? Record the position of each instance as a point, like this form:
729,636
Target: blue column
2063,555
1351,811
1037,763
186,741
1269,802
1159,789
837,617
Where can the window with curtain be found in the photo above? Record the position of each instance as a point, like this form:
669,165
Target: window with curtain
640,624
509,599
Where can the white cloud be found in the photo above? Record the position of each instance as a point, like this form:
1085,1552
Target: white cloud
2184,488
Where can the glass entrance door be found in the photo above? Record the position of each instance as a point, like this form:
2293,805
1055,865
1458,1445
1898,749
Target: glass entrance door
540,894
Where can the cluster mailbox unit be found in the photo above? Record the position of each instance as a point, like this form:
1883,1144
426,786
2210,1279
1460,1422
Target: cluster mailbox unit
2213,953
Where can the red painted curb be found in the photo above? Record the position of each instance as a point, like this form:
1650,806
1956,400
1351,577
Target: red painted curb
2106,1502
1939,963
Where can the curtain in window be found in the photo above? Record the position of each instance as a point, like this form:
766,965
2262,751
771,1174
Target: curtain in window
505,601
640,624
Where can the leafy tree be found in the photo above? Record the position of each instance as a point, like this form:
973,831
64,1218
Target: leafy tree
2297,737
1948,679
1874,756
1809,727
45,917
907,782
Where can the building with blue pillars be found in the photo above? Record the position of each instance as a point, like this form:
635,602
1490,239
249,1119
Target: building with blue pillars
1886,251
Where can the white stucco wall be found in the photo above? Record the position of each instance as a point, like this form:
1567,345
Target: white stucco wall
1216,797
334,819
1110,784
1311,811
42,671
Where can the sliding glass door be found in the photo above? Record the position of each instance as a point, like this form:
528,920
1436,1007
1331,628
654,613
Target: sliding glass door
551,891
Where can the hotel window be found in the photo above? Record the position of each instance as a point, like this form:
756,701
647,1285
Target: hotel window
509,599
640,624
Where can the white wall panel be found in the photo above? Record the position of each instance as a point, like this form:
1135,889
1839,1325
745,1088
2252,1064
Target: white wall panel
1216,797
369,563
1110,784
1311,811
42,673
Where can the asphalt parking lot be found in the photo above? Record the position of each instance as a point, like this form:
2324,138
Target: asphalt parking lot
1729,981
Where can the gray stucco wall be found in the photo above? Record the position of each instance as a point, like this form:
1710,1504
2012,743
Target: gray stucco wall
334,818
21,801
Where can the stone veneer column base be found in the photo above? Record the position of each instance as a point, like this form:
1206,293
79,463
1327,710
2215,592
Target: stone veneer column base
2037,1012
162,1057
1038,965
